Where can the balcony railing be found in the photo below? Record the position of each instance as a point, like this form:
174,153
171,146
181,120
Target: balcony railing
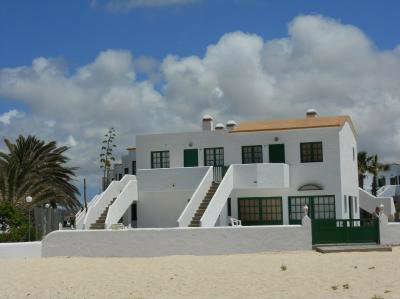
219,173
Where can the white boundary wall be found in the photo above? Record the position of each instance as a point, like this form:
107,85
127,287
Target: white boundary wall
20,250
178,241
389,232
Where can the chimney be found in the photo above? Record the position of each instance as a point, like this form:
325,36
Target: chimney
207,123
230,125
219,127
311,113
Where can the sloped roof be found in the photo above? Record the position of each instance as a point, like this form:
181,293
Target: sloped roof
292,124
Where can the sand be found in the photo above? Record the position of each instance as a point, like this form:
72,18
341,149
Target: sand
308,274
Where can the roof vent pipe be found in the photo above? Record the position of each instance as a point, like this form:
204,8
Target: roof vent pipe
219,127
231,124
311,113
207,123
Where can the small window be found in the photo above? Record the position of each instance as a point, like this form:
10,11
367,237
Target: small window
252,154
229,207
134,167
160,159
393,180
311,152
119,176
381,181
345,203
126,170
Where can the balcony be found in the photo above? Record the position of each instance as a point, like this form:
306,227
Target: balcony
261,175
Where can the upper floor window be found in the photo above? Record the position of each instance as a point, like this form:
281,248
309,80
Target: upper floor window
252,154
214,156
311,152
160,159
134,167
381,181
126,170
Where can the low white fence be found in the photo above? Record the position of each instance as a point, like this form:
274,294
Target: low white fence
389,232
20,250
178,241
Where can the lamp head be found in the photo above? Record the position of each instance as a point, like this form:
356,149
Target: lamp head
28,199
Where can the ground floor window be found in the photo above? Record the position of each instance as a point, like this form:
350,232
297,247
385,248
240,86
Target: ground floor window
260,210
319,207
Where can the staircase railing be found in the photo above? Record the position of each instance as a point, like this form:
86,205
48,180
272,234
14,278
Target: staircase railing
81,215
124,200
218,201
219,173
104,200
369,203
197,197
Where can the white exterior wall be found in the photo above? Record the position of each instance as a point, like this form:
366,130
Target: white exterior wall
348,172
178,241
164,194
20,250
326,173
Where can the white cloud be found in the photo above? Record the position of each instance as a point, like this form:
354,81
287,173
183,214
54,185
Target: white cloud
127,5
322,64
6,117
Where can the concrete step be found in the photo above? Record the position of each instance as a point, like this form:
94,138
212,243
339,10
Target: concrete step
195,218
97,226
194,225
195,222
352,248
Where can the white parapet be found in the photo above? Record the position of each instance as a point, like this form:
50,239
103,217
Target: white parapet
196,199
124,200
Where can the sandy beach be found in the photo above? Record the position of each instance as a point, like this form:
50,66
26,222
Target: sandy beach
308,275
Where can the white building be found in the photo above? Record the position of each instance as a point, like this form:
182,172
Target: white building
126,166
261,172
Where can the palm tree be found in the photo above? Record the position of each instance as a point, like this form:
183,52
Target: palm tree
364,167
33,167
374,168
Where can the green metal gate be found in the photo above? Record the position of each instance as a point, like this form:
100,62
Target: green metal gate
345,231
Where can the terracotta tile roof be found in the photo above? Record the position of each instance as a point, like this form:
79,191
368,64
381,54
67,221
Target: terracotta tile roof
292,124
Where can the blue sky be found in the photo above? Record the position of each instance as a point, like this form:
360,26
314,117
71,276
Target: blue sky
71,69
78,30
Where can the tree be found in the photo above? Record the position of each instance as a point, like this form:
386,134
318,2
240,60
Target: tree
38,169
13,223
374,168
106,155
364,162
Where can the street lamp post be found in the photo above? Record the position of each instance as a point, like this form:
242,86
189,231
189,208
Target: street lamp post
29,200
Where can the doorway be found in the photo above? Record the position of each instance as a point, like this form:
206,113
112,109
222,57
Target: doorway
190,158
276,153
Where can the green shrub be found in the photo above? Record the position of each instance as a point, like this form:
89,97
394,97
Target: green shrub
13,224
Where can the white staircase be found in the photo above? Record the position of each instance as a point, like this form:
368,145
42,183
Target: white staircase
106,200
369,203
122,203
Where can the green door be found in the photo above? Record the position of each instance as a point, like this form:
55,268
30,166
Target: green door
260,210
190,157
276,153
